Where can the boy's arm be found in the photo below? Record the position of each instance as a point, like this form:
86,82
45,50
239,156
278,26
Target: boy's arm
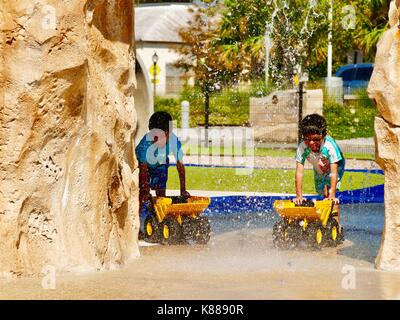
334,180
182,178
299,183
144,189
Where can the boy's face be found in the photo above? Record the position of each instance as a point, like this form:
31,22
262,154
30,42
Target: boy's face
160,137
314,141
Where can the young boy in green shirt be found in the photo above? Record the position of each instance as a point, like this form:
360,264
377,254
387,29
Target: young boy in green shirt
322,151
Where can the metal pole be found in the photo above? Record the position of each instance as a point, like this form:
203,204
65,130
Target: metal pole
299,135
154,79
330,49
206,115
266,43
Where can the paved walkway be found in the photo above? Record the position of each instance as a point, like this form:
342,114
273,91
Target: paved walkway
359,145
231,135
238,135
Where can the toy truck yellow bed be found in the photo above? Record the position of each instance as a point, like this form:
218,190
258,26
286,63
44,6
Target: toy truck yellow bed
176,219
317,222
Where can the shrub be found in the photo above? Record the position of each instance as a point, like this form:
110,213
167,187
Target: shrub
355,119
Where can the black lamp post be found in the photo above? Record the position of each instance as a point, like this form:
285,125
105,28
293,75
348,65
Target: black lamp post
155,60
300,116
303,80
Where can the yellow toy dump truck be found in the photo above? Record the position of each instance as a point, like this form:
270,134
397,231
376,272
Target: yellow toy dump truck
175,220
316,222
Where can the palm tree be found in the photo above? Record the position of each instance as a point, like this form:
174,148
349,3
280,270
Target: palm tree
373,21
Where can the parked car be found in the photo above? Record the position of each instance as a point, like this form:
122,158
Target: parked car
355,76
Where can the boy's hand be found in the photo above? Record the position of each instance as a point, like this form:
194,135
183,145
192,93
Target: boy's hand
334,199
299,200
332,194
185,194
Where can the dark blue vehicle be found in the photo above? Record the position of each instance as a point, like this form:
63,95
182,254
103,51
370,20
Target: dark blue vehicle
355,76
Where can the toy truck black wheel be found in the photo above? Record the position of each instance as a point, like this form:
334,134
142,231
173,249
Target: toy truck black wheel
171,231
334,233
201,230
283,236
151,229
341,236
188,228
316,235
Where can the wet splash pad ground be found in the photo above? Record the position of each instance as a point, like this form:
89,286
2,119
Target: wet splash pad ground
239,262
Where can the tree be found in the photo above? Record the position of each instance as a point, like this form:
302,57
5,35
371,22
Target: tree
299,30
198,54
373,21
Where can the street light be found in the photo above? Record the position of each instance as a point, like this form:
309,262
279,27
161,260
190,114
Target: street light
155,60
330,49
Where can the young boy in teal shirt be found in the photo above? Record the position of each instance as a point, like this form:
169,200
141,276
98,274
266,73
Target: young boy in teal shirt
322,151
153,152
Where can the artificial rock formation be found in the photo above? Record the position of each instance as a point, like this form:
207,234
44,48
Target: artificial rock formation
384,89
67,121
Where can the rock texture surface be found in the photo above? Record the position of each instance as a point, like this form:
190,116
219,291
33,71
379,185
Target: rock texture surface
384,88
67,170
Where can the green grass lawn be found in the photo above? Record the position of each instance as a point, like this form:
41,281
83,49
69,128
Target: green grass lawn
261,180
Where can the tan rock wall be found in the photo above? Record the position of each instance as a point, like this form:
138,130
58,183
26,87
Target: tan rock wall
388,157
68,197
384,88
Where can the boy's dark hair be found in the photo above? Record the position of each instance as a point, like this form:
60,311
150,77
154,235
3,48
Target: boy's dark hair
160,120
314,124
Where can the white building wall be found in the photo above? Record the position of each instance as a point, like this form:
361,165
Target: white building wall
165,54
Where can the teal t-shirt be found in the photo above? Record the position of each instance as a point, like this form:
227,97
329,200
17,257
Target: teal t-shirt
329,150
147,151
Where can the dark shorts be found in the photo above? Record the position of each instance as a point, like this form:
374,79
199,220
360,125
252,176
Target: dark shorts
157,177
